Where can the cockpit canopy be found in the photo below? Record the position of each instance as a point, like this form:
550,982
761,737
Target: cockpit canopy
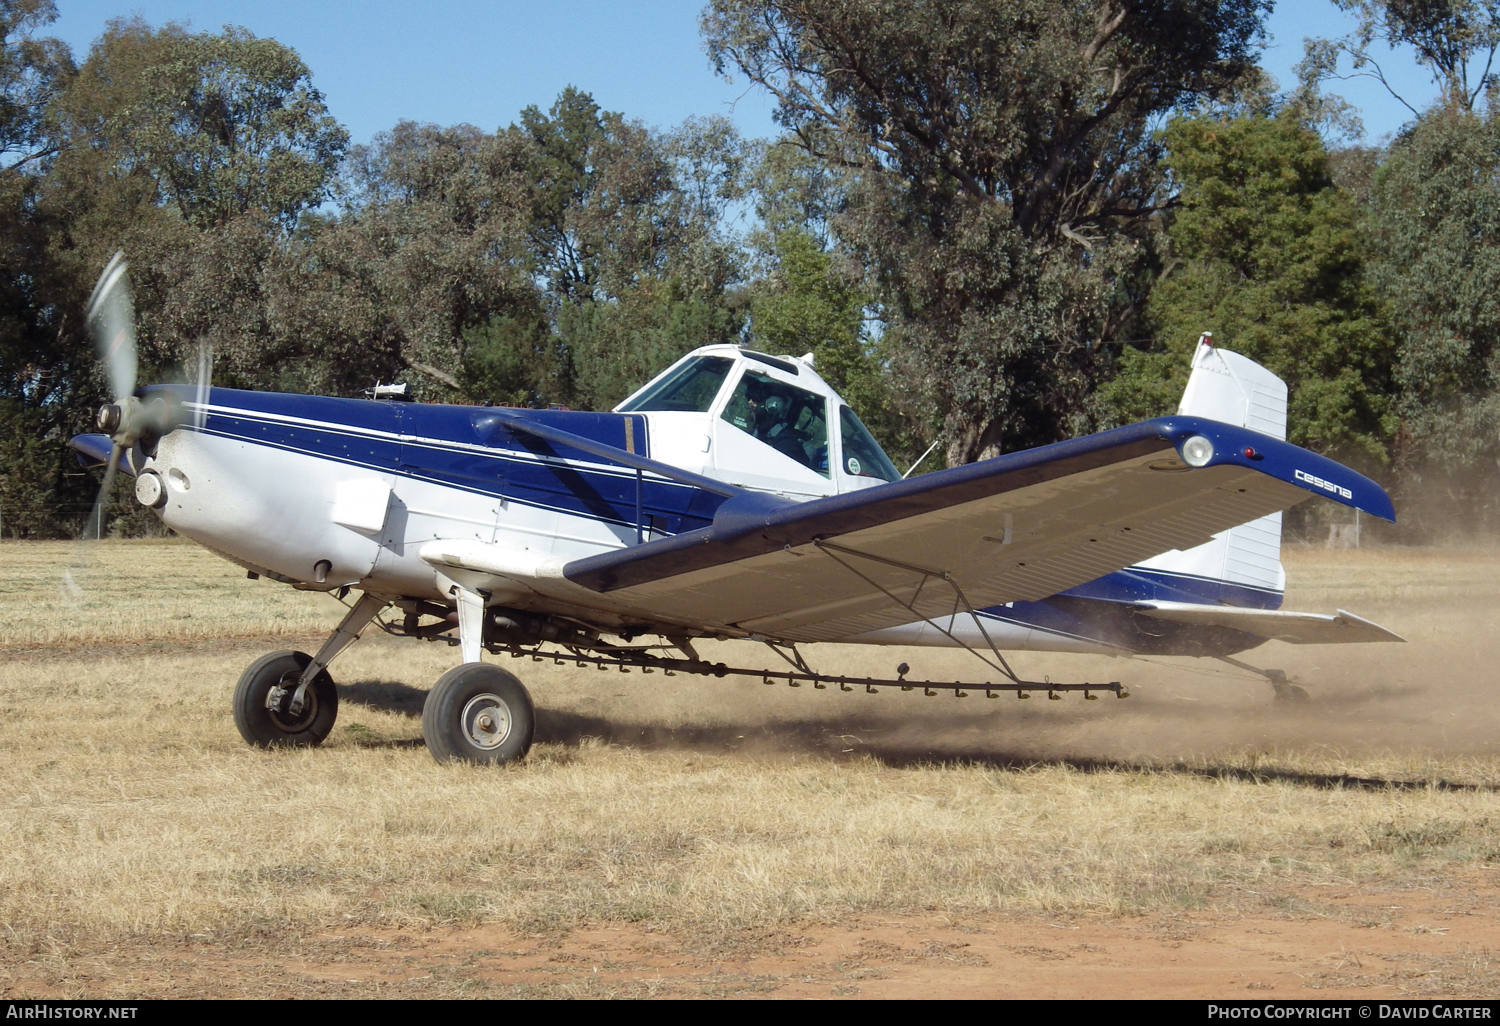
779,425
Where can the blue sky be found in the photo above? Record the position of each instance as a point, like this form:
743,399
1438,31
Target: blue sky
482,61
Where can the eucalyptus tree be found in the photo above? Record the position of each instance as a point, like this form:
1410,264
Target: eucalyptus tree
1004,175
1434,237
1455,40
628,237
42,355
197,154
1435,231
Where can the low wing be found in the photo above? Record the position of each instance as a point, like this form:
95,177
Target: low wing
1018,527
1278,624
91,450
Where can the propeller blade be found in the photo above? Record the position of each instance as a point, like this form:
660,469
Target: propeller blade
111,320
94,530
70,591
204,383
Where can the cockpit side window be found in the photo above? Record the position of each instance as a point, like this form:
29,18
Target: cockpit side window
789,419
691,388
863,456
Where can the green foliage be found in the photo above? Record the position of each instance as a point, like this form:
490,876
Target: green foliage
1004,174
1435,225
804,305
42,358
222,124
31,72
620,225
616,347
809,294
1265,252
513,360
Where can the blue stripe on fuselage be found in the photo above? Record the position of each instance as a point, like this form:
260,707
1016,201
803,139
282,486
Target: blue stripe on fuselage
457,447
454,446
1101,611
1138,584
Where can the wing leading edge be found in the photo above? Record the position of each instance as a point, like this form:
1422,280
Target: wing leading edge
1022,526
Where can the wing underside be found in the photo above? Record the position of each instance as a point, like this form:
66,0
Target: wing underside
1022,545
1020,527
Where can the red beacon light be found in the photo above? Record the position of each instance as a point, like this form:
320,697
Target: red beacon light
1251,454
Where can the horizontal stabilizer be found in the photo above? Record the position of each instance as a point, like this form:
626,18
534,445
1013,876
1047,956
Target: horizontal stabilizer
1276,624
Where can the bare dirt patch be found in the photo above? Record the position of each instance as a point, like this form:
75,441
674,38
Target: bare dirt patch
1340,945
682,837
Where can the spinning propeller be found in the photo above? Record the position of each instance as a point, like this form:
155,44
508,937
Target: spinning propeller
128,421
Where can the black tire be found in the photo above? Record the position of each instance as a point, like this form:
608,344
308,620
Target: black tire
478,713
264,727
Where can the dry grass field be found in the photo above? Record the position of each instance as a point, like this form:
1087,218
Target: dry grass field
685,837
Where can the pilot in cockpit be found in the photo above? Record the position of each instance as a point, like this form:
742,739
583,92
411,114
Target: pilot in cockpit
788,419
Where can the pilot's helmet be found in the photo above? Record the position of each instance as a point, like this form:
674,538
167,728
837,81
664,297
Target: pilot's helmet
775,406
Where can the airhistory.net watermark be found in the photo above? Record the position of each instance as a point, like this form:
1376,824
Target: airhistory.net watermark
50,1010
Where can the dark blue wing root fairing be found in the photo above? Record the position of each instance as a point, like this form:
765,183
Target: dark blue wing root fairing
754,524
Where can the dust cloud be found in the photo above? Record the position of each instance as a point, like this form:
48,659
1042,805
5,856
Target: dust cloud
1433,696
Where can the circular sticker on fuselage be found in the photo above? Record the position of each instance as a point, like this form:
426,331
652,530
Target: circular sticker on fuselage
853,464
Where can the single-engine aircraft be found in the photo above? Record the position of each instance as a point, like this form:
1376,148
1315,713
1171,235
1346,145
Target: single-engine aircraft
734,496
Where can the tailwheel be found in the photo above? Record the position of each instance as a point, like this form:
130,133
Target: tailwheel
1287,693
265,707
478,713
1290,694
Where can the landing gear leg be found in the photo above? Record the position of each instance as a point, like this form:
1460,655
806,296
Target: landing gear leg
344,635
288,698
1287,693
477,712
470,623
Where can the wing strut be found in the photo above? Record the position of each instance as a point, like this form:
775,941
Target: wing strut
959,599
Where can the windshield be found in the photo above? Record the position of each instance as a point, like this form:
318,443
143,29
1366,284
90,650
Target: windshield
688,389
863,456
789,419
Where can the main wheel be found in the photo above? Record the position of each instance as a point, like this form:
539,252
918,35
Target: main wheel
263,698
478,713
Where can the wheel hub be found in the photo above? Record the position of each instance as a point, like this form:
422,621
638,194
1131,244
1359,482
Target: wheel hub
486,721
278,704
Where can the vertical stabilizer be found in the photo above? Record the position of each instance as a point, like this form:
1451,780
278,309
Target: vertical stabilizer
1228,387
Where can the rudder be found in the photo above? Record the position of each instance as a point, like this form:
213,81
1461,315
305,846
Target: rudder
1227,387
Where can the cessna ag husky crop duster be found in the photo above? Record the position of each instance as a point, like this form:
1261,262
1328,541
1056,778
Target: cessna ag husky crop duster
734,496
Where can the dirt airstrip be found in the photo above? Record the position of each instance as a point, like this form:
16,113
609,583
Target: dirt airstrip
683,837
